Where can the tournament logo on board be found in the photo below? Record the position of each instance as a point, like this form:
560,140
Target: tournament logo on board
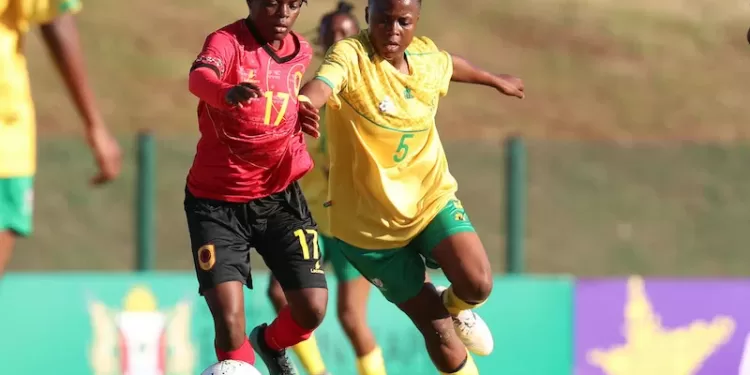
662,327
140,338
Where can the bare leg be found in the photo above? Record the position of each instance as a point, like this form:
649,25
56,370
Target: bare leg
464,262
429,315
276,294
352,312
227,305
7,242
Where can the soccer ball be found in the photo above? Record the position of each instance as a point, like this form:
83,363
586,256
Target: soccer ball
231,367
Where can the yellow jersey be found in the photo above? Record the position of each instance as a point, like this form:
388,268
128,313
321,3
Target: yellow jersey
388,174
315,183
17,126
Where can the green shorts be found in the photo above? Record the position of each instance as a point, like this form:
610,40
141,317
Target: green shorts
342,269
399,273
16,204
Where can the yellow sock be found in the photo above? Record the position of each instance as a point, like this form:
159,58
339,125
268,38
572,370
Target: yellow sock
371,363
455,305
469,368
308,353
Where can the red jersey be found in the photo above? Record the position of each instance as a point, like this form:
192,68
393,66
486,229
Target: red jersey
256,150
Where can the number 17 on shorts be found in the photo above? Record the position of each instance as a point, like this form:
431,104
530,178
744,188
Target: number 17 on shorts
315,255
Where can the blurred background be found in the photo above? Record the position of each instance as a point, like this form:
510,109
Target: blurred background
631,144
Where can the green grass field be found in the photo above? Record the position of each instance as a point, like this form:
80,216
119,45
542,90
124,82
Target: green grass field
636,116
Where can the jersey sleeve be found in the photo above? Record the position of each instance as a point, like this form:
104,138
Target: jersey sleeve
338,70
442,65
218,53
445,70
45,11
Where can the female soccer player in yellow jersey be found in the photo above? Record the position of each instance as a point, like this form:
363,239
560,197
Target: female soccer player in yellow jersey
353,289
392,199
17,125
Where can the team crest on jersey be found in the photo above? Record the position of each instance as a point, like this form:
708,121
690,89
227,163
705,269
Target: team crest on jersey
408,94
249,75
387,106
459,212
140,338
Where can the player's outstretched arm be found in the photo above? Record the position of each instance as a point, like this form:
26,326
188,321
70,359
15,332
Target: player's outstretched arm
61,37
330,79
464,71
317,92
206,80
312,96
205,83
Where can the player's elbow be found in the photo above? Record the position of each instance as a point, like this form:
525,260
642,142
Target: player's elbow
197,81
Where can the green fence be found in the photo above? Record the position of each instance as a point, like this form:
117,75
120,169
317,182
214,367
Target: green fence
105,324
591,208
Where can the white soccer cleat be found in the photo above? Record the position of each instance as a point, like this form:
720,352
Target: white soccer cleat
472,330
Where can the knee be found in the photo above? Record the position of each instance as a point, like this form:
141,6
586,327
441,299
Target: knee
310,313
478,287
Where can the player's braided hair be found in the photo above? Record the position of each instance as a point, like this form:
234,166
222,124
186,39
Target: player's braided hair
419,2
250,1
343,8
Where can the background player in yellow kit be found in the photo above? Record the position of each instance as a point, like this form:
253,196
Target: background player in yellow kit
353,289
392,198
17,126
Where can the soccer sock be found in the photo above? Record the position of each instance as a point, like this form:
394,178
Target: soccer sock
455,305
309,354
371,363
244,353
285,332
467,368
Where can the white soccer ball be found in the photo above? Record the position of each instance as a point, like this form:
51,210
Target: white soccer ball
231,367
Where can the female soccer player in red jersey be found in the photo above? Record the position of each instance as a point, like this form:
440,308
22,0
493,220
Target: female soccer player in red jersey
242,188
353,289
393,209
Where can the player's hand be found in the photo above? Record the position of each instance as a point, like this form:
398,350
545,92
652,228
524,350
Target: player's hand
510,85
242,93
106,153
309,118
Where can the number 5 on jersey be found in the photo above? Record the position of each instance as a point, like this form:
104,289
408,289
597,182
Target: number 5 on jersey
403,149
302,236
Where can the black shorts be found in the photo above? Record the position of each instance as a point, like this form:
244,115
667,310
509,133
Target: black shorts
278,226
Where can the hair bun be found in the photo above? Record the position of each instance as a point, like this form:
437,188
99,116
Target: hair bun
344,7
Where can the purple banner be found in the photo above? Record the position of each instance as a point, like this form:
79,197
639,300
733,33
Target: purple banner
662,327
